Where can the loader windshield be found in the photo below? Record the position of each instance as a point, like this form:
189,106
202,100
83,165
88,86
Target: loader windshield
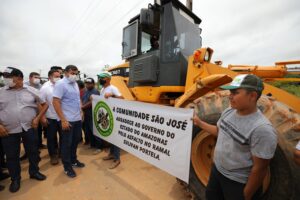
181,35
129,44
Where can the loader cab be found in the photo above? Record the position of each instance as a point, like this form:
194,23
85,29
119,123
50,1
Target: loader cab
157,43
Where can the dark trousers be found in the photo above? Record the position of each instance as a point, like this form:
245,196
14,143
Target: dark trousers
95,142
11,146
40,132
69,142
115,151
222,188
2,155
52,143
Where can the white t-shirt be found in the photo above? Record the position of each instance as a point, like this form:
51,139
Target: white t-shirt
47,95
298,146
111,89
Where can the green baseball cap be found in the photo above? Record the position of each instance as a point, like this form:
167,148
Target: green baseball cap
104,75
245,81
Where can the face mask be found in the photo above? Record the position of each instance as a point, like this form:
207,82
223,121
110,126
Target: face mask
9,82
102,81
36,81
72,78
61,76
90,88
55,80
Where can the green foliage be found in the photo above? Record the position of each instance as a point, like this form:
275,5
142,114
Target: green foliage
292,76
293,88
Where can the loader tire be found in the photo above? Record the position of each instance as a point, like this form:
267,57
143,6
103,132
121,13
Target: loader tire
283,179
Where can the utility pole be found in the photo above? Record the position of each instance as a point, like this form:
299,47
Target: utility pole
189,4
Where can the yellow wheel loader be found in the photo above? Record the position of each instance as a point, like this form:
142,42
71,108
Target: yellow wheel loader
165,64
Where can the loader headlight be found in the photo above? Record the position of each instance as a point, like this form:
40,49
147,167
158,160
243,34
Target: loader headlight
207,56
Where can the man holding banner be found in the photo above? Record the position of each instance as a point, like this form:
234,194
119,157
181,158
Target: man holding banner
107,91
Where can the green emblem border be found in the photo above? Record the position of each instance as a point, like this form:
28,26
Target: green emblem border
108,132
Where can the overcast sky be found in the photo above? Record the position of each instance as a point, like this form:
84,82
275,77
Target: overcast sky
36,34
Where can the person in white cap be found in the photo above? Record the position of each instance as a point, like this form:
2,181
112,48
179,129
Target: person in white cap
246,142
108,91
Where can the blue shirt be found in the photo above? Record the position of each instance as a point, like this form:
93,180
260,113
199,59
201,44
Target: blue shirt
68,93
85,99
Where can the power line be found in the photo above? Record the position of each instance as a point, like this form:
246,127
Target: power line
115,5
113,25
77,25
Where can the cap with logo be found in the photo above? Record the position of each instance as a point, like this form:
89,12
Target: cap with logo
249,81
89,80
104,75
11,71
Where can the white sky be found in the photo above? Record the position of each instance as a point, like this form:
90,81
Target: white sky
36,34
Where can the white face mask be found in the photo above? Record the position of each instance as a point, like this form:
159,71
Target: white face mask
54,80
72,78
36,81
9,82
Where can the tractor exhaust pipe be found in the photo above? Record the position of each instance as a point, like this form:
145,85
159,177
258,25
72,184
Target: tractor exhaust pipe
189,4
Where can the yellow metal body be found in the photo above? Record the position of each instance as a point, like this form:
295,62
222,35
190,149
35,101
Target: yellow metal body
278,71
268,73
202,77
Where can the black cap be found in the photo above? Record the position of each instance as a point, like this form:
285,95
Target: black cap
11,71
56,68
89,80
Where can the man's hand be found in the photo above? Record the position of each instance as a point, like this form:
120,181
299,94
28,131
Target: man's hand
35,123
196,120
212,129
297,156
65,125
44,122
256,177
3,131
247,197
107,95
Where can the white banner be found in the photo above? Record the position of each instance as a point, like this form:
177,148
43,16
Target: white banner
159,135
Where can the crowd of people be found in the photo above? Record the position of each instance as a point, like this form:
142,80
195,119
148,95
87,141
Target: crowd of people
61,109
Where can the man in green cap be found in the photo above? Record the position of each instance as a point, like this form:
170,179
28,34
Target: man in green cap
108,91
246,142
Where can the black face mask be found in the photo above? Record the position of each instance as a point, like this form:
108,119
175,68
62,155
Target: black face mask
90,88
61,76
102,81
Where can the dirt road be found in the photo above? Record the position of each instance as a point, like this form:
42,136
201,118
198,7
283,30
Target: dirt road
134,179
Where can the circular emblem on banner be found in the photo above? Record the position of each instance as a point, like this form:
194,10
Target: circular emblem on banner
103,119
